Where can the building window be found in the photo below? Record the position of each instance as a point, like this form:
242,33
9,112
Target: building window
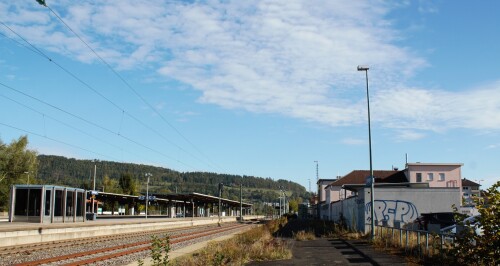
419,177
441,176
466,188
430,176
466,195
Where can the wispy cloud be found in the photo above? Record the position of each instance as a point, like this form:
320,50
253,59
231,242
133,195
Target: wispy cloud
409,135
353,141
293,58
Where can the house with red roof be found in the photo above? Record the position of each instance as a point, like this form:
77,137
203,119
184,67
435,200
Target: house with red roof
400,196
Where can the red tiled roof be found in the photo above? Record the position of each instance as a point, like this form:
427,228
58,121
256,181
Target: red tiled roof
381,176
467,183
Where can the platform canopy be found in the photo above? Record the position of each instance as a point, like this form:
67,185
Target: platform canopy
200,198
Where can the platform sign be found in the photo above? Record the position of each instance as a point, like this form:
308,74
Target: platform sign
93,192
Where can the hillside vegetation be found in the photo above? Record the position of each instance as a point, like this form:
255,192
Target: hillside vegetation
111,177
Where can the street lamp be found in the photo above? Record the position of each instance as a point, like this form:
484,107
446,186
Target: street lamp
147,193
372,178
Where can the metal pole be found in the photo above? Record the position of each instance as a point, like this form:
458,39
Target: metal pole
95,171
372,188
220,195
241,203
147,194
372,178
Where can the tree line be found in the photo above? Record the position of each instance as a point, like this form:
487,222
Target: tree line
18,164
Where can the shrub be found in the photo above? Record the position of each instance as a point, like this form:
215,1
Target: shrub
470,248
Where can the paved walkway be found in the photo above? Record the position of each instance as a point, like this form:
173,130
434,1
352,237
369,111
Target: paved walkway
327,251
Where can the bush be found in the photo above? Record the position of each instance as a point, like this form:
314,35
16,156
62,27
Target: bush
470,248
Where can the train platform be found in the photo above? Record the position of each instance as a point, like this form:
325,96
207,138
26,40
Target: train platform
21,233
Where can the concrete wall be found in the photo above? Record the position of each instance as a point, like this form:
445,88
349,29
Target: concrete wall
393,205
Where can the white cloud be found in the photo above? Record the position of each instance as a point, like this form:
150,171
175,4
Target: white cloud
353,141
405,135
294,58
439,110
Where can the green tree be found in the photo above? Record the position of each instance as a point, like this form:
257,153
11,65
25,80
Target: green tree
111,185
471,248
293,205
18,165
128,184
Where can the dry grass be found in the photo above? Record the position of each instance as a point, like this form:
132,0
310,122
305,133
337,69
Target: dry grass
304,235
254,245
409,244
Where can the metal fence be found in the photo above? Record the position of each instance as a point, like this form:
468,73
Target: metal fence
417,242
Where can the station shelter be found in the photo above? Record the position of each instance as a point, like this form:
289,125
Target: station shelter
46,204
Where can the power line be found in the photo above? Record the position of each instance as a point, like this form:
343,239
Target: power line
42,54
55,140
93,124
126,83
61,122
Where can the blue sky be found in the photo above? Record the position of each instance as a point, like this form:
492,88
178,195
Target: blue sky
260,88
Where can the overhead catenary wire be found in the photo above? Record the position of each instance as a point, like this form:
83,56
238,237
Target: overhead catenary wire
56,140
61,122
42,54
95,124
126,83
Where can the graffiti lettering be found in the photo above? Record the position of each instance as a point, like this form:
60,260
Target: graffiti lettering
392,211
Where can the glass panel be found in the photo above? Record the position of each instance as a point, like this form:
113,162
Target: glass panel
58,204
69,203
79,200
48,194
35,196
21,202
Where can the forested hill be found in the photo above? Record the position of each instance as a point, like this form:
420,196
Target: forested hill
60,170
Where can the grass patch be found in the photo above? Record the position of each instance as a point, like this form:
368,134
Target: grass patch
304,235
256,244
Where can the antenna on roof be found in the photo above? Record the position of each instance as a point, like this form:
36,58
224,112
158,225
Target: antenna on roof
406,165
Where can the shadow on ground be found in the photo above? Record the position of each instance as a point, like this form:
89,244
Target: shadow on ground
320,228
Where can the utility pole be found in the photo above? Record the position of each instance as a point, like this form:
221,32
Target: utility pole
147,193
318,195
221,187
317,171
241,203
93,188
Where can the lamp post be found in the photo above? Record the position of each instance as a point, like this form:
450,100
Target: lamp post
147,193
372,178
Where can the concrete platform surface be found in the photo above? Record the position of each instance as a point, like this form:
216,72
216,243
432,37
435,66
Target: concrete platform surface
326,251
27,233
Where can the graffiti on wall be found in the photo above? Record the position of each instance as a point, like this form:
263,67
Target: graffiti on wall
392,210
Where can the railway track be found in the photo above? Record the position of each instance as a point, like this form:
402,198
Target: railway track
92,256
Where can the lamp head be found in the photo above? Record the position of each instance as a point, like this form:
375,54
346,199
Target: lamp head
363,68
